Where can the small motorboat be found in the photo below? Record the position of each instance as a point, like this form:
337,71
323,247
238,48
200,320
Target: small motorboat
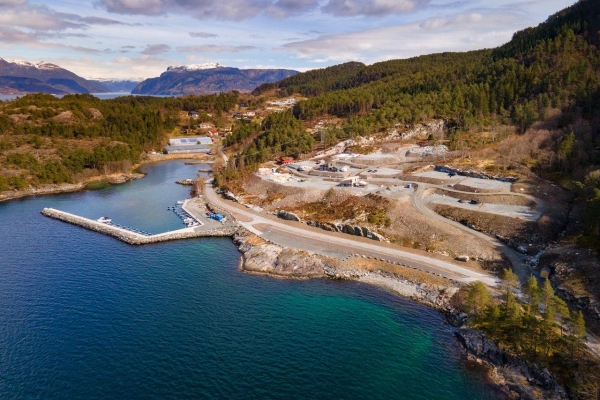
104,220
180,202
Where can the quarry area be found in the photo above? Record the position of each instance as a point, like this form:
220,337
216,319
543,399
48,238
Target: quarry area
410,193
409,190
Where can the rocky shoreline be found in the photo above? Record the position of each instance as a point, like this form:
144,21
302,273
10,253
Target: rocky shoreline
115,179
513,377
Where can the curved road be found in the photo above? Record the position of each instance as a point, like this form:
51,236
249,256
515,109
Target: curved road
425,263
518,261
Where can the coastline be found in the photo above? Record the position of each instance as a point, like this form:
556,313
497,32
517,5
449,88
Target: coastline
114,179
512,377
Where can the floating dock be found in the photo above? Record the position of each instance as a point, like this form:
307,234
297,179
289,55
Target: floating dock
130,236
183,214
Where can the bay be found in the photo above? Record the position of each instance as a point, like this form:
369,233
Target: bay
83,315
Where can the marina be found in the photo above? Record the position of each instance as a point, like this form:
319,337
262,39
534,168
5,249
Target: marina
128,228
134,236
108,221
188,219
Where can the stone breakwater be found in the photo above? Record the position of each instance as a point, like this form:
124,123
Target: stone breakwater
136,238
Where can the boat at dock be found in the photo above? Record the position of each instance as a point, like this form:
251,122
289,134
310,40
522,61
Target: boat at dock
104,220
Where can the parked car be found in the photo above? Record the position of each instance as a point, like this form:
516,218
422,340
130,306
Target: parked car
474,202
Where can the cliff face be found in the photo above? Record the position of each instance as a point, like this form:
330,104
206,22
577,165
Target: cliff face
178,81
515,377
25,77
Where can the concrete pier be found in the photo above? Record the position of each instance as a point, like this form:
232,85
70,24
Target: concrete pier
137,238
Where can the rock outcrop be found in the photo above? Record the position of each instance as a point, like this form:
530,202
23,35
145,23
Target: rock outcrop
275,260
288,216
124,178
354,230
519,377
418,131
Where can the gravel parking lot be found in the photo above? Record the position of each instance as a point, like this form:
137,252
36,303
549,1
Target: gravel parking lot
520,212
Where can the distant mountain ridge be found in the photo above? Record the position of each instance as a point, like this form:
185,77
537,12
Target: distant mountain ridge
118,85
209,78
18,76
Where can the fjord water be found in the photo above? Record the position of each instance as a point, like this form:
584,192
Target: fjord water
83,315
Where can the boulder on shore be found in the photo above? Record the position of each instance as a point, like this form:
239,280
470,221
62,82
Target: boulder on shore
289,216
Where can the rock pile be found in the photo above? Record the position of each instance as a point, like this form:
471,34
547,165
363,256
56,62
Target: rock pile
427,151
354,230
288,216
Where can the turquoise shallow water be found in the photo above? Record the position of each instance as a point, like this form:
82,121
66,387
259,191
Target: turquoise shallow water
83,315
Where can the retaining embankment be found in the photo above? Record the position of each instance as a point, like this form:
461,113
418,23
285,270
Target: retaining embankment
136,238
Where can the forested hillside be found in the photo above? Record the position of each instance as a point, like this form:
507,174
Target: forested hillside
44,139
552,70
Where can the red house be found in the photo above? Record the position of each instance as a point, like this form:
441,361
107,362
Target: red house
285,160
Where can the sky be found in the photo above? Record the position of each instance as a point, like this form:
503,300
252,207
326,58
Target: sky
138,39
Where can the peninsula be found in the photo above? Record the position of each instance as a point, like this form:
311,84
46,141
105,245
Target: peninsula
467,181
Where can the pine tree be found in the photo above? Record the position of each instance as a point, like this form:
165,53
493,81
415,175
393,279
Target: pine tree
532,292
578,326
478,297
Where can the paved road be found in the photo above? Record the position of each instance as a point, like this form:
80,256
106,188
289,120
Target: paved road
425,263
518,261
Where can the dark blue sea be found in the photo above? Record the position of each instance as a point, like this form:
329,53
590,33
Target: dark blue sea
84,316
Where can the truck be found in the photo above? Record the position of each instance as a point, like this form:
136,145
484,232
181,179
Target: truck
217,217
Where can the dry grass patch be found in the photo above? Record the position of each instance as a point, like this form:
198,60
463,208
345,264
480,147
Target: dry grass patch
255,240
341,206
413,275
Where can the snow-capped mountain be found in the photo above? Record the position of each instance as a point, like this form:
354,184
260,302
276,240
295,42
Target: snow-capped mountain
40,65
118,85
208,78
20,76
194,67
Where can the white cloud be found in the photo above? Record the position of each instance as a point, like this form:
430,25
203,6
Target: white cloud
12,2
154,49
373,8
286,8
116,68
39,18
457,33
204,35
143,7
213,48
235,10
